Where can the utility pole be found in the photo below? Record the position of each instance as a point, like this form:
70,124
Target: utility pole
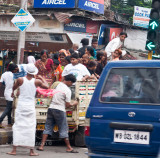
150,55
21,39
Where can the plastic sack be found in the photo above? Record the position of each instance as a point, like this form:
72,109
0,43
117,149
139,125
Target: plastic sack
48,92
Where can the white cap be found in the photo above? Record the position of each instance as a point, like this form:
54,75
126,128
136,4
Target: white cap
31,69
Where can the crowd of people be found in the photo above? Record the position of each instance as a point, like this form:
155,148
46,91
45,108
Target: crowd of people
66,66
85,62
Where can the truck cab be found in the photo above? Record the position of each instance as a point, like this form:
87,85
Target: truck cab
123,117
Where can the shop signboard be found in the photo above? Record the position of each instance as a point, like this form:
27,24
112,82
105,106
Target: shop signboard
96,6
22,20
141,16
76,26
82,26
32,37
54,3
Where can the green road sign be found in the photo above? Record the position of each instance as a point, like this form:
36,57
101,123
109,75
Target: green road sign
153,25
150,45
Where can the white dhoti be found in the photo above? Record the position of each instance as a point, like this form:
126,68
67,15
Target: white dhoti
24,127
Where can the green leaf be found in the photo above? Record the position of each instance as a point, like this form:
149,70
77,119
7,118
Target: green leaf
128,10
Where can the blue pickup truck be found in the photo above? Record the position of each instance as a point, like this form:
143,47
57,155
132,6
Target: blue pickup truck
123,118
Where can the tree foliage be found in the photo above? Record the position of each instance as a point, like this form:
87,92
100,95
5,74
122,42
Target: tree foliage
126,7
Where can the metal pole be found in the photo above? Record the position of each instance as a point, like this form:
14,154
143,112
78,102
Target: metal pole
21,39
150,55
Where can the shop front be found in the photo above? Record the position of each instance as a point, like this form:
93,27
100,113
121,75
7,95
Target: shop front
43,34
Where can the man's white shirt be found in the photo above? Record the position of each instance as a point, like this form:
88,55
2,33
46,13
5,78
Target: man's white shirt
113,45
79,71
7,78
59,99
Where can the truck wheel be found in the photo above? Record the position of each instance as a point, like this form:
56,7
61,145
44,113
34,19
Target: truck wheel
6,136
39,135
79,136
50,139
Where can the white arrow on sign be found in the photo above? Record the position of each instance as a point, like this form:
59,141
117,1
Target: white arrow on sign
153,24
150,46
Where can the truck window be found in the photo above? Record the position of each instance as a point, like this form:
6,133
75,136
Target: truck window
132,85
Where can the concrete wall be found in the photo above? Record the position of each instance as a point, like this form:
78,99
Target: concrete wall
136,39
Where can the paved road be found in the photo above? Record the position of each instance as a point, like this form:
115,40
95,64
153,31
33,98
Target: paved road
57,150
49,152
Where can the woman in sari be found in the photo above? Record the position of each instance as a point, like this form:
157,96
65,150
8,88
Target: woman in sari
44,66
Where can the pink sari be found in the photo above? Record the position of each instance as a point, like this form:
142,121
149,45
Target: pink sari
45,71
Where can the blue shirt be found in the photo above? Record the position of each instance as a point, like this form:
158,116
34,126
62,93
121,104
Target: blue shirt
21,73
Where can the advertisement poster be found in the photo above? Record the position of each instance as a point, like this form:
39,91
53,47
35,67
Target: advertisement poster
141,16
82,26
54,3
96,6
76,26
107,32
114,32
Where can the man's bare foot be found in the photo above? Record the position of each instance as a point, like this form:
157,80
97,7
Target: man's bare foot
11,153
34,154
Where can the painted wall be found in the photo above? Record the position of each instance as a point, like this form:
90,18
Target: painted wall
136,39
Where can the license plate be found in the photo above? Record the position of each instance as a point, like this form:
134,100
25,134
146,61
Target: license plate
135,137
42,127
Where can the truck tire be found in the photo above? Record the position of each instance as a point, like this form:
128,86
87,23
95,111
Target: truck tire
6,136
39,135
79,137
50,139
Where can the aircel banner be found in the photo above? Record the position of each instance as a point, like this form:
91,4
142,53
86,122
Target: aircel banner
111,34
77,26
114,32
82,26
96,6
54,3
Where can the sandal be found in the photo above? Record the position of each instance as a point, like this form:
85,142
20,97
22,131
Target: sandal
72,151
40,149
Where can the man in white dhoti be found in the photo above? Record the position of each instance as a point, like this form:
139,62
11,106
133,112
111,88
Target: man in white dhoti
24,128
